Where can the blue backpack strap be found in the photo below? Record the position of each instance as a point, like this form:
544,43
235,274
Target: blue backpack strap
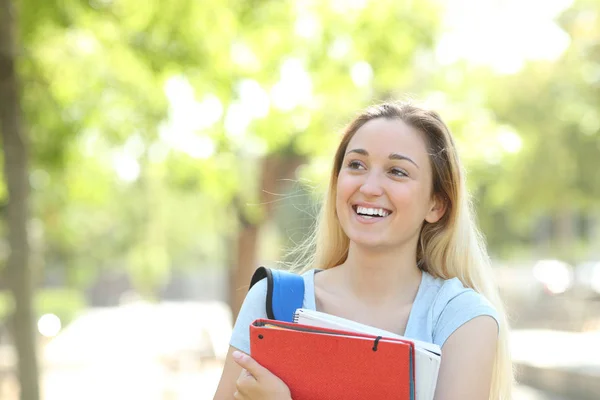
285,292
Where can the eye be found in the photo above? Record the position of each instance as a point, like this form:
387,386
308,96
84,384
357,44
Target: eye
355,164
398,172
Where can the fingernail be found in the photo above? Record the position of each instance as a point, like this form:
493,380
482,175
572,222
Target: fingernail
238,355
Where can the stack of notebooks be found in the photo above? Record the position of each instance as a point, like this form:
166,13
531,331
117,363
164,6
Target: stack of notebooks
321,356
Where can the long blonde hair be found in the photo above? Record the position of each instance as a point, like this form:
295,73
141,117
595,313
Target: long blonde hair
451,247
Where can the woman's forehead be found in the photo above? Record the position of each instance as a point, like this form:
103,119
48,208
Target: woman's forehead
384,136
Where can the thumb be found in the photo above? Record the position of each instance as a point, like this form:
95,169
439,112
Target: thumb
249,364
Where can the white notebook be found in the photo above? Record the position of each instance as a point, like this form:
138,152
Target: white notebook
427,355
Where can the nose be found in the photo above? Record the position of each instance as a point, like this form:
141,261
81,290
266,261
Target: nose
372,186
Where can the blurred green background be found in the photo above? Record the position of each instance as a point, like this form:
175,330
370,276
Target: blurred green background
169,148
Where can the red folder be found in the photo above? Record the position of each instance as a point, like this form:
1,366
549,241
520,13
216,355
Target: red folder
323,364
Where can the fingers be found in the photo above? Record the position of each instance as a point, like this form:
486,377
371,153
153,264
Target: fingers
244,385
238,396
249,364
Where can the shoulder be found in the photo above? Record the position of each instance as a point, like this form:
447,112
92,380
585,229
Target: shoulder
253,308
452,305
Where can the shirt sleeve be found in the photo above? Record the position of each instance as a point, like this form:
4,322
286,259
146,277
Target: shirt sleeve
459,310
253,308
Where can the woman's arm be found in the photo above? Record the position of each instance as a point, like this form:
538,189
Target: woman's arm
229,376
253,308
467,361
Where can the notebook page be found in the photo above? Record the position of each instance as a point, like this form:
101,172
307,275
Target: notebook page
303,316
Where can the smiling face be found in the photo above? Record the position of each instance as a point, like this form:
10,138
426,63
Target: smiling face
384,187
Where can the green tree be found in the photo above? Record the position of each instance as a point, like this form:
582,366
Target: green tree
302,70
554,107
15,167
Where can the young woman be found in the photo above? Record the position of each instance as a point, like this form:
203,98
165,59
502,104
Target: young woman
397,248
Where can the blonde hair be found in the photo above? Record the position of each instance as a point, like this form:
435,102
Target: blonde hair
451,247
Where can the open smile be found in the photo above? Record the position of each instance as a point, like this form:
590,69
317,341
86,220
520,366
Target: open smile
370,214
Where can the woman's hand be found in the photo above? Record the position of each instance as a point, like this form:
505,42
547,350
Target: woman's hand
257,382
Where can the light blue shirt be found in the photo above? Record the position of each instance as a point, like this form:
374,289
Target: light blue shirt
440,307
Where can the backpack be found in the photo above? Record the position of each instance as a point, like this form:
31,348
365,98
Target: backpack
285,292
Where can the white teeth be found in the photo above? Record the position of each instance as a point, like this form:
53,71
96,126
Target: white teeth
372,211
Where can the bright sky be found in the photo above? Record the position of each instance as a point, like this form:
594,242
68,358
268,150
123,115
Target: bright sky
502,34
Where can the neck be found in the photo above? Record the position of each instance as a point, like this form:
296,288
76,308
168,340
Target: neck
380,275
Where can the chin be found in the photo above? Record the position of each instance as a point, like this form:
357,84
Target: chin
368,242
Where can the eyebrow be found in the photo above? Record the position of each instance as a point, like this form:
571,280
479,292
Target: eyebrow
392,156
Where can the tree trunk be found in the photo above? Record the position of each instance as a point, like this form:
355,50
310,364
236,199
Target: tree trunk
245,261
17,183
275,170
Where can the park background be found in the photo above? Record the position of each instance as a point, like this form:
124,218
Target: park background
155,153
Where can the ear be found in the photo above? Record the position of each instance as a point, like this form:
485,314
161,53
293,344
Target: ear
437,209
